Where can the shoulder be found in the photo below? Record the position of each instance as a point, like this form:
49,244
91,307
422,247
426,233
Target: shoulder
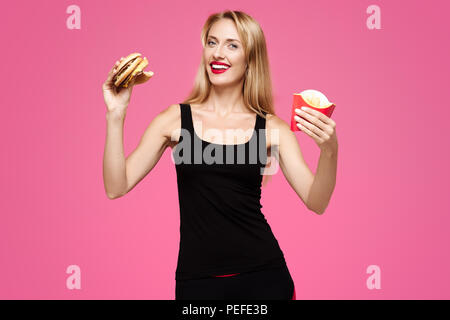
168,119
276,128
275,122
170,114
173,110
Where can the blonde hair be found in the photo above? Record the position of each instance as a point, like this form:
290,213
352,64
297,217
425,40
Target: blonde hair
257,87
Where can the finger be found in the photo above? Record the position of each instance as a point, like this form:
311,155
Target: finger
108,84
320,120
112,72
310,133
317,131
307,114
114,68
132,83
320,116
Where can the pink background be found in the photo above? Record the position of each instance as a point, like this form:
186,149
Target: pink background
390,207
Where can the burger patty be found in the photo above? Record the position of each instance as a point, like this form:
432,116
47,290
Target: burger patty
123,70
127,78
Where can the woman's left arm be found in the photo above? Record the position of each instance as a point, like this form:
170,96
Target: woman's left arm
323,130
314,190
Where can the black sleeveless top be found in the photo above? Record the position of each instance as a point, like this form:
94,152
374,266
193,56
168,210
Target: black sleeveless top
222,228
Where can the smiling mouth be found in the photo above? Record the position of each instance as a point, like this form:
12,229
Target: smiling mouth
219,67
219,71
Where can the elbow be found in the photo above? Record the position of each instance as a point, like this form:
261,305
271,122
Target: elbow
321,210
112,196
318,211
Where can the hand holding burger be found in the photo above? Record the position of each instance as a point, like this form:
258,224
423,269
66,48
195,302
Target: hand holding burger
132,67
122,77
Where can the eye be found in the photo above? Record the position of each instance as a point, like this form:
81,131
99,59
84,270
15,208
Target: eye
210,41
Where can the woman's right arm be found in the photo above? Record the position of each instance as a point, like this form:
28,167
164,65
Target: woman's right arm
121,175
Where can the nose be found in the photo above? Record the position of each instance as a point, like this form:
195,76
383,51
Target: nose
218,53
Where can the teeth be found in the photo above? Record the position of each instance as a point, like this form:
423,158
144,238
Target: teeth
217,66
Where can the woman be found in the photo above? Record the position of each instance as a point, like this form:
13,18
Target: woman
227,249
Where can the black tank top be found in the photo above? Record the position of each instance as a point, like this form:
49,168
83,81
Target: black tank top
222,228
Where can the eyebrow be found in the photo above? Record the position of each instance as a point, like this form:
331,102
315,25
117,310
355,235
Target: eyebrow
229,39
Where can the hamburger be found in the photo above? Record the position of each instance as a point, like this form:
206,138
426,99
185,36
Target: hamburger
132,67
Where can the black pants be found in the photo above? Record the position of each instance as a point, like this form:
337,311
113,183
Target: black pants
271,284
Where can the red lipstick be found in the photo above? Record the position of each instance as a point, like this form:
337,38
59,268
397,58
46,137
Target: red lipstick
217,71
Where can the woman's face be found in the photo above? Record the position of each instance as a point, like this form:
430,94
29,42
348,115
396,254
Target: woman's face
220,49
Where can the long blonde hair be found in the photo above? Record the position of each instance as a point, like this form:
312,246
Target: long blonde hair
257,87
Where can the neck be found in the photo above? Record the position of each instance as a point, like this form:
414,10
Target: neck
226,100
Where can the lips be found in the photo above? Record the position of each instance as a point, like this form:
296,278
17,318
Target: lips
217,71
220,63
